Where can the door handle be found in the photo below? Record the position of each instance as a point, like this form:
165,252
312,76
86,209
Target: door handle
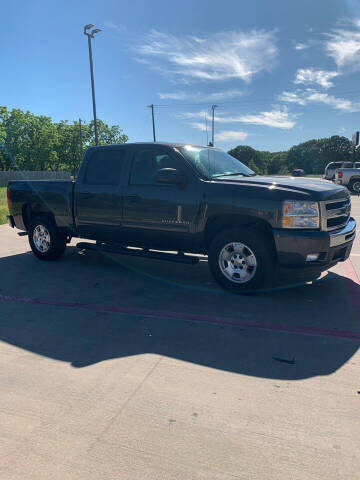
134,197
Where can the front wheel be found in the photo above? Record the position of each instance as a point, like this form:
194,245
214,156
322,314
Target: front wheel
355,185
241,260
46,241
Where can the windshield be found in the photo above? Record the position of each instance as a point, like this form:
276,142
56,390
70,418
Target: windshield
212,163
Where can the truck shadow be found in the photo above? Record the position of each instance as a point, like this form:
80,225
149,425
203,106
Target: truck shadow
83,337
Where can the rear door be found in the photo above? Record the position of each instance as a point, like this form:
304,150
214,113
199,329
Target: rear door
154,213
98,194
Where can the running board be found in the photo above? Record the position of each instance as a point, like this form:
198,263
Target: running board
134,252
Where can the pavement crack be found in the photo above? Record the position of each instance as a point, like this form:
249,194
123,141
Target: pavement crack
125,404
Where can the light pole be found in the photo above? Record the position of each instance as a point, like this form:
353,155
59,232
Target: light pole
90,35
153,120
213,125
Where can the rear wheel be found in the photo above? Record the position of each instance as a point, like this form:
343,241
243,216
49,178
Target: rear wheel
355,185
46,241
241,260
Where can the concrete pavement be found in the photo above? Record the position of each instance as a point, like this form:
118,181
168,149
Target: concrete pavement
114,367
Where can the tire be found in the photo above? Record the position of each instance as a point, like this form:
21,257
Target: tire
354,185
249,266
46,241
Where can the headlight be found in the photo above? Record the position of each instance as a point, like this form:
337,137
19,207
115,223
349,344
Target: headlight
298,214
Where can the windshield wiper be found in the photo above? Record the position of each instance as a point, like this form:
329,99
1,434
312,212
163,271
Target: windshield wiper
228,174
234,174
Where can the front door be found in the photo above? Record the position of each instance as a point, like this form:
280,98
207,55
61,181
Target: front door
156,213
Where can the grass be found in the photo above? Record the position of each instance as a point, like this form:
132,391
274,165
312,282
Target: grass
3,206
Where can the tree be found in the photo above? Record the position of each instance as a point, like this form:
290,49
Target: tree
31,142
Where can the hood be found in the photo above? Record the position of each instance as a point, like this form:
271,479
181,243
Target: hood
316,189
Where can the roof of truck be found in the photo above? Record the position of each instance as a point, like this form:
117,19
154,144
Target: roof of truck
167,144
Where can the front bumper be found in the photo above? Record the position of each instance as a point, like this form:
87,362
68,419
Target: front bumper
11,220
293,246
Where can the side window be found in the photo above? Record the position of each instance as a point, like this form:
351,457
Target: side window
147,163
104,167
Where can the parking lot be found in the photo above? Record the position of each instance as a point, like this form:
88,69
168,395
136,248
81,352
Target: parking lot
126,368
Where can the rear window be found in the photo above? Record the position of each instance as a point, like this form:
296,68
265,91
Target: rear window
347,165
104,167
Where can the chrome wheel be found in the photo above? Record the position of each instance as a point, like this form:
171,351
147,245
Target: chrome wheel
41,238
237,262
356,186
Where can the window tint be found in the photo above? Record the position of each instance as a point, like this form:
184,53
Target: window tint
357,165
104,167
147,163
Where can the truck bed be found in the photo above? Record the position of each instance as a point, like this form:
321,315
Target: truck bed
43,196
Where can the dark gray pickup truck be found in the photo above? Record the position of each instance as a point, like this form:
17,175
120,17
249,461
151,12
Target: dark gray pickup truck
152,200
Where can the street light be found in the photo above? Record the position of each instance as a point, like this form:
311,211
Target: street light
90,35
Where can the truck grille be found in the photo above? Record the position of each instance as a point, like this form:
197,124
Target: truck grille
335,214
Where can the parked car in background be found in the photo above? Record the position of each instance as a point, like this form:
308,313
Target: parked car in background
298,172
349,177
187,198
331,168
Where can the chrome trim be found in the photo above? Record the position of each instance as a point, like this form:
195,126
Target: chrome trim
325,214
348,231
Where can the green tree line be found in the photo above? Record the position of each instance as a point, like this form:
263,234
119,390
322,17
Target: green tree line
35,142
311,156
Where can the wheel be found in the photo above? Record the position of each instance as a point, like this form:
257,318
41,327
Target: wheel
46,241
241,260
355,185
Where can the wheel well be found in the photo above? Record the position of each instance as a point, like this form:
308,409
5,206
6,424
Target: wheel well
354,179
217,224
29,212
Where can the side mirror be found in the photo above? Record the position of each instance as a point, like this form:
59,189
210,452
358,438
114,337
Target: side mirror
170,176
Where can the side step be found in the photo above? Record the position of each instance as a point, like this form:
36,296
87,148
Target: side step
170,257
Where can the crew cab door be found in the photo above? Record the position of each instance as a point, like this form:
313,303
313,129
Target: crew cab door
98,194
157,214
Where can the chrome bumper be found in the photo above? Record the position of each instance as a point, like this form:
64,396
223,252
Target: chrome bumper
346,234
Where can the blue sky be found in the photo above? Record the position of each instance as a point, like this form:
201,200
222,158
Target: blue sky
281,72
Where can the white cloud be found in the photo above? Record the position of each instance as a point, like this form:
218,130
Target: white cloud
292,97
337,103
301,46
229,135
343,45
115,26
198,126
278,118
312,96
219,56
311,75
201,96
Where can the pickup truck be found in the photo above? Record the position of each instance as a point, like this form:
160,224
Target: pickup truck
331,168
156,199
348,177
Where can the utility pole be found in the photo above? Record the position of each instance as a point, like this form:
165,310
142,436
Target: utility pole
206,128
80,134
90,35
213,124
153,120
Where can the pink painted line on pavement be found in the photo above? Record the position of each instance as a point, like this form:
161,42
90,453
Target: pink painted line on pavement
164,314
